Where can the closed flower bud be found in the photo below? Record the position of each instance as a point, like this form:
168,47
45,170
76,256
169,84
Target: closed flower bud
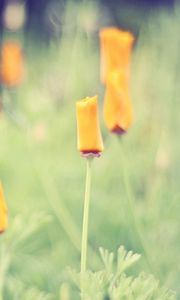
3,212
89,134
11,64
116,46
117,106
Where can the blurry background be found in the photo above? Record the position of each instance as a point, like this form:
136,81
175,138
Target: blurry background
44,18
41,170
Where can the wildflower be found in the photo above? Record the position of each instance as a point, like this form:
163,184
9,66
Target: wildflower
89,135
90,145
3,212
117,106
116,46
12,65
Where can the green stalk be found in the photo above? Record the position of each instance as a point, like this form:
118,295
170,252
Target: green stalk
131,210
85,218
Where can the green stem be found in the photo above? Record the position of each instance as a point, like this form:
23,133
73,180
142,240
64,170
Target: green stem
85,218
131,209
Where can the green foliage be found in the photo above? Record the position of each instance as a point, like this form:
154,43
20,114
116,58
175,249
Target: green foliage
17,290
19,235
113,283
124,260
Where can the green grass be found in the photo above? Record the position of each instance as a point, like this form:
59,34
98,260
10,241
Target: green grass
44,176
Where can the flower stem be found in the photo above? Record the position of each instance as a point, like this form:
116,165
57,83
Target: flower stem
131,210
86,217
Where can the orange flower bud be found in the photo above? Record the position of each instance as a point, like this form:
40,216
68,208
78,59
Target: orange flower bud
3,212
89,134
116,46
12,65
117,106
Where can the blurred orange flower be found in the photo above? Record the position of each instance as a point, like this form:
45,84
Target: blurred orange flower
12,64
116,46
90,141
3,212
118,114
